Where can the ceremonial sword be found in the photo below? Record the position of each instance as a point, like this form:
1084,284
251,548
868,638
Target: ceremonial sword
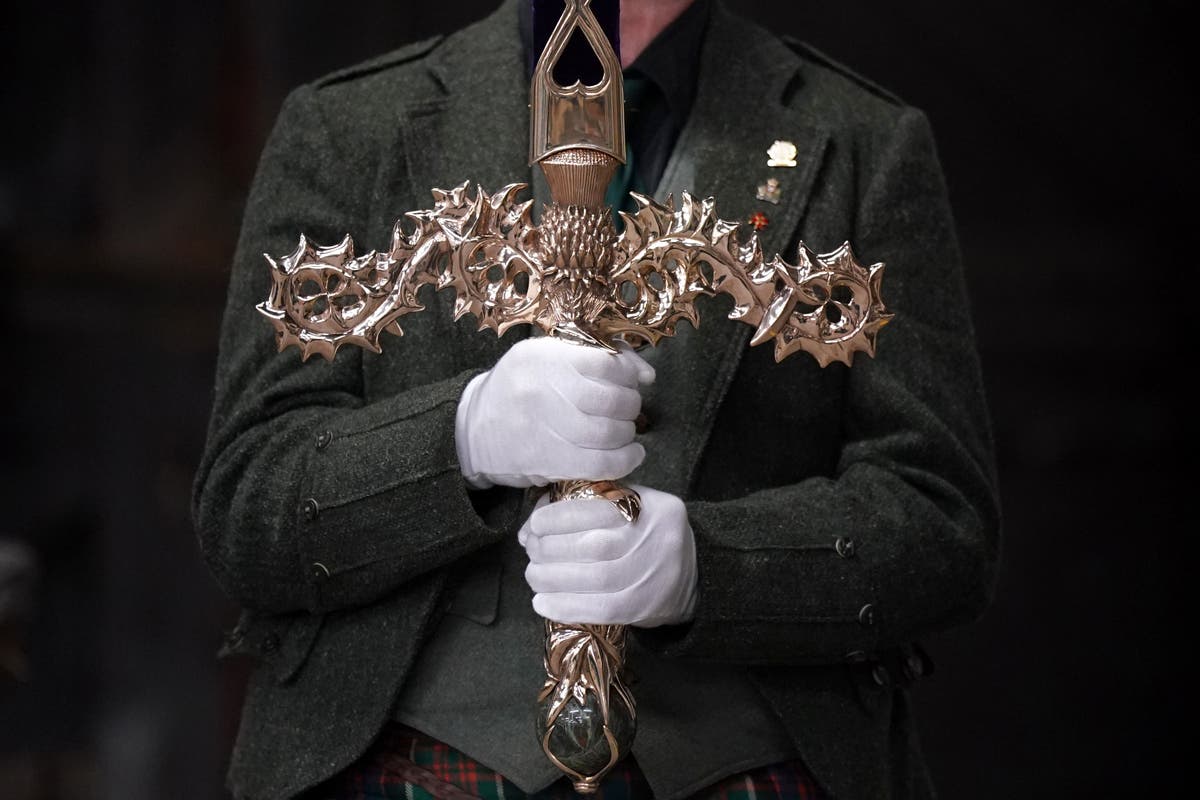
574,276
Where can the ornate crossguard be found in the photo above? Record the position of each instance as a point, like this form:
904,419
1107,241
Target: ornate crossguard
576,278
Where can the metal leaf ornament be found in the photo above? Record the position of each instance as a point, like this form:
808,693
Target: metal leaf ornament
574,275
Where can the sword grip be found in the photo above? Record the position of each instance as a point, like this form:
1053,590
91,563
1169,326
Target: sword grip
586,718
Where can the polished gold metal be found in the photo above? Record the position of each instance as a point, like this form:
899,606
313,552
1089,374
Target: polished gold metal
577,116
581,281
583,659
584,668
324,298
826,305
578,176
781,154
627,501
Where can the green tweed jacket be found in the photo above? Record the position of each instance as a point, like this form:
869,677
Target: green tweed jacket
840,514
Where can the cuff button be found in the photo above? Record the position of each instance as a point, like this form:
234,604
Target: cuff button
880,675
866,615
320,571
914,667
844,547
323,439
310,509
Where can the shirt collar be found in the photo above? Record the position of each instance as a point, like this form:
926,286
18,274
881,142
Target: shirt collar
670,60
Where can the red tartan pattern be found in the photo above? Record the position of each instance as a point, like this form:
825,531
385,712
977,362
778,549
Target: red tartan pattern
406,763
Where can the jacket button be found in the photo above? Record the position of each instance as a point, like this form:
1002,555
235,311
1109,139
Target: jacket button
310,509
880,675
270,643
866,615
914,667
323,439
844,547
320,571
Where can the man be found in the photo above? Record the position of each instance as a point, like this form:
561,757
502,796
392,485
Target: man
803,527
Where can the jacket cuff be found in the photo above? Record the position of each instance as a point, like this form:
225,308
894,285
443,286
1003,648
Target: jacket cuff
384,498
808,602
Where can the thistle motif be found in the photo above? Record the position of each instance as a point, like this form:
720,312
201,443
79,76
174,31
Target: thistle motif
572,276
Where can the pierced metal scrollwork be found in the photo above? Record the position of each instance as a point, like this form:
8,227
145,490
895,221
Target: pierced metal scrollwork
573,276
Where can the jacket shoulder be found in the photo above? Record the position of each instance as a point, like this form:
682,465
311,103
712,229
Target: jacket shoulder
396,79
823,62
414,51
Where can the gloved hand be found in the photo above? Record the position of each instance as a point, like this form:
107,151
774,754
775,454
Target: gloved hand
587,564
549,411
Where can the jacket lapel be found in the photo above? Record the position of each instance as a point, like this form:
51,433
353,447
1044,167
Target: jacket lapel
477,131
722,153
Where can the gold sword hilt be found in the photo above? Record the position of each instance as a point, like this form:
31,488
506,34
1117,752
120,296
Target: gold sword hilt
586,715
575,277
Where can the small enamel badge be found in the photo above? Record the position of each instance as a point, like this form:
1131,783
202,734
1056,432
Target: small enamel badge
759,220
781,154
770,191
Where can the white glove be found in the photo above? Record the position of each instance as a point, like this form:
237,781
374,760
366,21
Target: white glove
549,411
587,564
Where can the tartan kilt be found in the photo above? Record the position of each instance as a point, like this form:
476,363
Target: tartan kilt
406,764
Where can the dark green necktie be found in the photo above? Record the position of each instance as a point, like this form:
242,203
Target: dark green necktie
637,89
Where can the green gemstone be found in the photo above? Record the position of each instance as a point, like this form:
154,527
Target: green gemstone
578,739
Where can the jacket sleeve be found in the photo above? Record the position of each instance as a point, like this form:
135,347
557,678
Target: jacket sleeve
307,496
902,540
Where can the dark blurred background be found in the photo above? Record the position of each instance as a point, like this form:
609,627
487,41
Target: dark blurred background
131,132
